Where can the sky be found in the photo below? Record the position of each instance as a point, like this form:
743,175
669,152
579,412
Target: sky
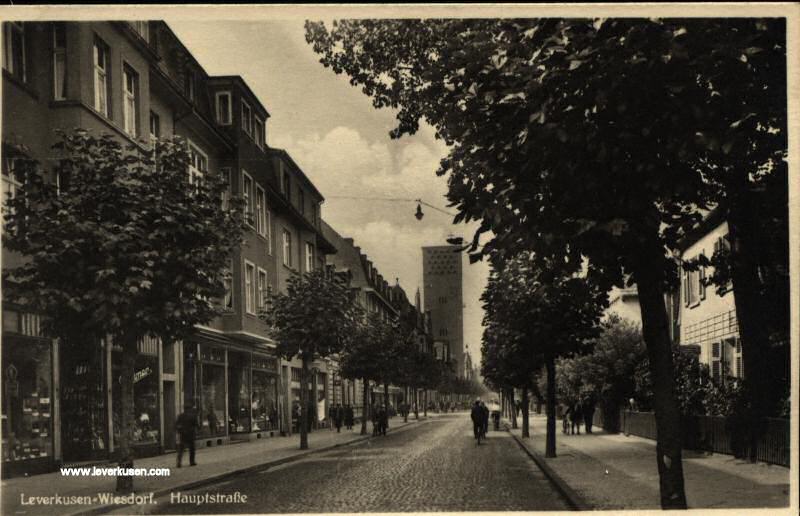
342,144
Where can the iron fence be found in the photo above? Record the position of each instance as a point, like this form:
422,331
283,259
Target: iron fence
714,434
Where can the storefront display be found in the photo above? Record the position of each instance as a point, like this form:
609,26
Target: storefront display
146,425
265,401
212,384
238,392
83,401
27,416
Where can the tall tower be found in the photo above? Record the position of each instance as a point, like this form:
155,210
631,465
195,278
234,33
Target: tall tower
443,297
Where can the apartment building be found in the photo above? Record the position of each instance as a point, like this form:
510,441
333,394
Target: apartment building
136,80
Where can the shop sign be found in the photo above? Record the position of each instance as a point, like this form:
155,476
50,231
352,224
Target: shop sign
267,363
142,374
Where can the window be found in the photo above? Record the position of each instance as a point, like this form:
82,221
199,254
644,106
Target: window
188,84
227,302
249,287
701,277
10,183
130,87
198,164
224,110
259,132
286,185
14,49
261,299
287,248
101,102
247,118
261,208
691,287
155,126
268,227
309,257
143,28
301,201
59,61
227,194
247,195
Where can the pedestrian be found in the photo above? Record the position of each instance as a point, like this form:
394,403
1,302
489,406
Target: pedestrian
384,418
588,413
376,420
338,417
348,416
331,417
576,418
566,417
186,431
485,419
476,414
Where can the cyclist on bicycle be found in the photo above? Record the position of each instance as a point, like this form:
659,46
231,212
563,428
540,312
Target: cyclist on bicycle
477,418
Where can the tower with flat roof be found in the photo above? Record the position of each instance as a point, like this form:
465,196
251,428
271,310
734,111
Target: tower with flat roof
443,297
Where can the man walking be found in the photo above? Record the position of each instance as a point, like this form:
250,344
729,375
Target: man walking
348,416
338,417
186,430
477,418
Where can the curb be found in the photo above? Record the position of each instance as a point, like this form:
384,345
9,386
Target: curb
576,501
103,509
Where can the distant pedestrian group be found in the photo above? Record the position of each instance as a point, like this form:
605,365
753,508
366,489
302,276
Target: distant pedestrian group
340,415
380,420
579,413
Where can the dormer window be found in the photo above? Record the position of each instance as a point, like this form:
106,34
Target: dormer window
143,28
188,84
224,111
247,118
259,132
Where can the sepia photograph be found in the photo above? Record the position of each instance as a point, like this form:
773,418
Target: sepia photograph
400,259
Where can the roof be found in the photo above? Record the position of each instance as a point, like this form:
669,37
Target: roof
243,84
711,219
285,155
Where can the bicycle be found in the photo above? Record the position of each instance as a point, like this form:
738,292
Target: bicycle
480,433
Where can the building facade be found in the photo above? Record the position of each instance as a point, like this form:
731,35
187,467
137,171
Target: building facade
137,81
442,273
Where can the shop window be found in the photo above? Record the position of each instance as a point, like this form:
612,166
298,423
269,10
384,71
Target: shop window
265,400
83,401
27,417
212,414
238,392
146,408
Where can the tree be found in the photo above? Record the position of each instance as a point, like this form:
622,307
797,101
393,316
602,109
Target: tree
126,244
608,371
582,138
315,318
549,314
362,357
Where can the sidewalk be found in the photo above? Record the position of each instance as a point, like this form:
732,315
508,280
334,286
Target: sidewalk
213,464
612,472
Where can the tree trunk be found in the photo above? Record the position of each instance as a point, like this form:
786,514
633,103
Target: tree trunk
655,329
751,319
304,385
513,408
550,440
425,401
525,422
416,404
365,409
124,449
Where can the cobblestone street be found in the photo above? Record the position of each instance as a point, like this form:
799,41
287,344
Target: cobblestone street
433,467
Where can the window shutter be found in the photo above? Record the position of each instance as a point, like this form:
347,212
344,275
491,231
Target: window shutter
686,287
